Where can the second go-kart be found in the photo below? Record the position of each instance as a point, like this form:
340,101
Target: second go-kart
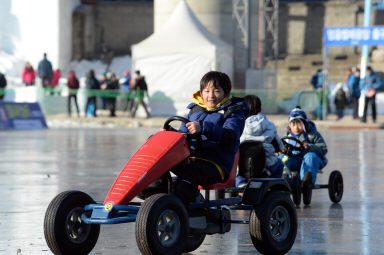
163,224
295,147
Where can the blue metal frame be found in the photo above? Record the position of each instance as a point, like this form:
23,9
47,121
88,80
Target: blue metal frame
97,214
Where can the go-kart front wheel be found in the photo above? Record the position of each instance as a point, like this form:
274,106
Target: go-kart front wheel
273,226
335,186
193,241
162,225
64,230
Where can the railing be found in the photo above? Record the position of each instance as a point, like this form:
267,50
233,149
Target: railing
54,100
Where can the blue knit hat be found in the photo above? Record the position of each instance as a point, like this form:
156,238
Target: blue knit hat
298,114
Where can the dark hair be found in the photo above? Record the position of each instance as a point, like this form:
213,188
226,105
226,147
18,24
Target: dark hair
218,79
137,72
254,104
369,68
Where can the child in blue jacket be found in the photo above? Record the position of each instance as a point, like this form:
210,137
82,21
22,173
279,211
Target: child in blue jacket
219,118
315,148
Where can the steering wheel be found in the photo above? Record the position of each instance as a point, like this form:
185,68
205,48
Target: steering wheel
196,136
173,118
299,147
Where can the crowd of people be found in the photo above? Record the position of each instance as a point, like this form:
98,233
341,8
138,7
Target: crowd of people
355,88
107,88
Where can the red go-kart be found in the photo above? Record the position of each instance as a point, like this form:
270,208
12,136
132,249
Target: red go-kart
163,224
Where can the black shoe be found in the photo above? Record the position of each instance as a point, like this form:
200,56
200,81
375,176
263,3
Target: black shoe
307,188
364,120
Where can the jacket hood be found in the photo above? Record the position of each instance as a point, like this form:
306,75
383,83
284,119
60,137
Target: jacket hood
298,114
197,99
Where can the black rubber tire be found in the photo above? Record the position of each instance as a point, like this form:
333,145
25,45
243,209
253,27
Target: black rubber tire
335,186
162,216
269,236
307,195
65,232
307,188
295,184
220,194
193,242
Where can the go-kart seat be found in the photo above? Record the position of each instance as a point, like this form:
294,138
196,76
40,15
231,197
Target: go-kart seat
252,160
230,180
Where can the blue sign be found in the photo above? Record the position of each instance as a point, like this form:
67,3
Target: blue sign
353,36
21,116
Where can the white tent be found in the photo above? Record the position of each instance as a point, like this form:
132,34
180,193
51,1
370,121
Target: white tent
176,57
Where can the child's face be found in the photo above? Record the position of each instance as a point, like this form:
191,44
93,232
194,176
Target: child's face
211,95
296,127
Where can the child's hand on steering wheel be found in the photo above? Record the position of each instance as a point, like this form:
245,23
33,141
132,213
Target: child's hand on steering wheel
193,127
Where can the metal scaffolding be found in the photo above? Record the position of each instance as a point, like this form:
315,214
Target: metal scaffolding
241,14
266,28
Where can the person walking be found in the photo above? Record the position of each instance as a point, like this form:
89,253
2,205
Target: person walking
127,82
141,89
45,71
92,85
28,75
73,86
370,84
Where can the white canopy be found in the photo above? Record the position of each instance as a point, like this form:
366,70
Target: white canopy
175,58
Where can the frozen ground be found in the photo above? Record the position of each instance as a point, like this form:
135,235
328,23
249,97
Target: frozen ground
37,165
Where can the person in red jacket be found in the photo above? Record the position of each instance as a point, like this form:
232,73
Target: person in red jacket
55,78
28,75
73,86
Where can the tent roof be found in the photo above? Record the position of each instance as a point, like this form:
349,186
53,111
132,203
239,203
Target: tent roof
182,33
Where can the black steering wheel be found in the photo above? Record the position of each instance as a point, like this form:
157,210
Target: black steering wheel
196,136
290,148
168,127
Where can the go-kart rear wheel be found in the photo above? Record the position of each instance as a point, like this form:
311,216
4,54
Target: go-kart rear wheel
64,230
162,225
335,186
273,226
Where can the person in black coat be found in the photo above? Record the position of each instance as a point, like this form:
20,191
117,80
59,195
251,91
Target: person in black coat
92,84
141,89
111,85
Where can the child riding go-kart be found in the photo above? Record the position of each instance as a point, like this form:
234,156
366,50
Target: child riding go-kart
304,157
163,224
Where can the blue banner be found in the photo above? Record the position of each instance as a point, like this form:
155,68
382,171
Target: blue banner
22,116
353,36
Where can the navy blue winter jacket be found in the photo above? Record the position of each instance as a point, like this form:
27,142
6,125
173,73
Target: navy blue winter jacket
221,129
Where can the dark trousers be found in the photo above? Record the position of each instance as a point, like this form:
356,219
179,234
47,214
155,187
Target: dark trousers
111,105
372,101
355,107
195,172
134,108
69,105
89,100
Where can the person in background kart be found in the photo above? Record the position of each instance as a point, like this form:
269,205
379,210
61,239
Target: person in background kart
315,147
219,118
259,128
